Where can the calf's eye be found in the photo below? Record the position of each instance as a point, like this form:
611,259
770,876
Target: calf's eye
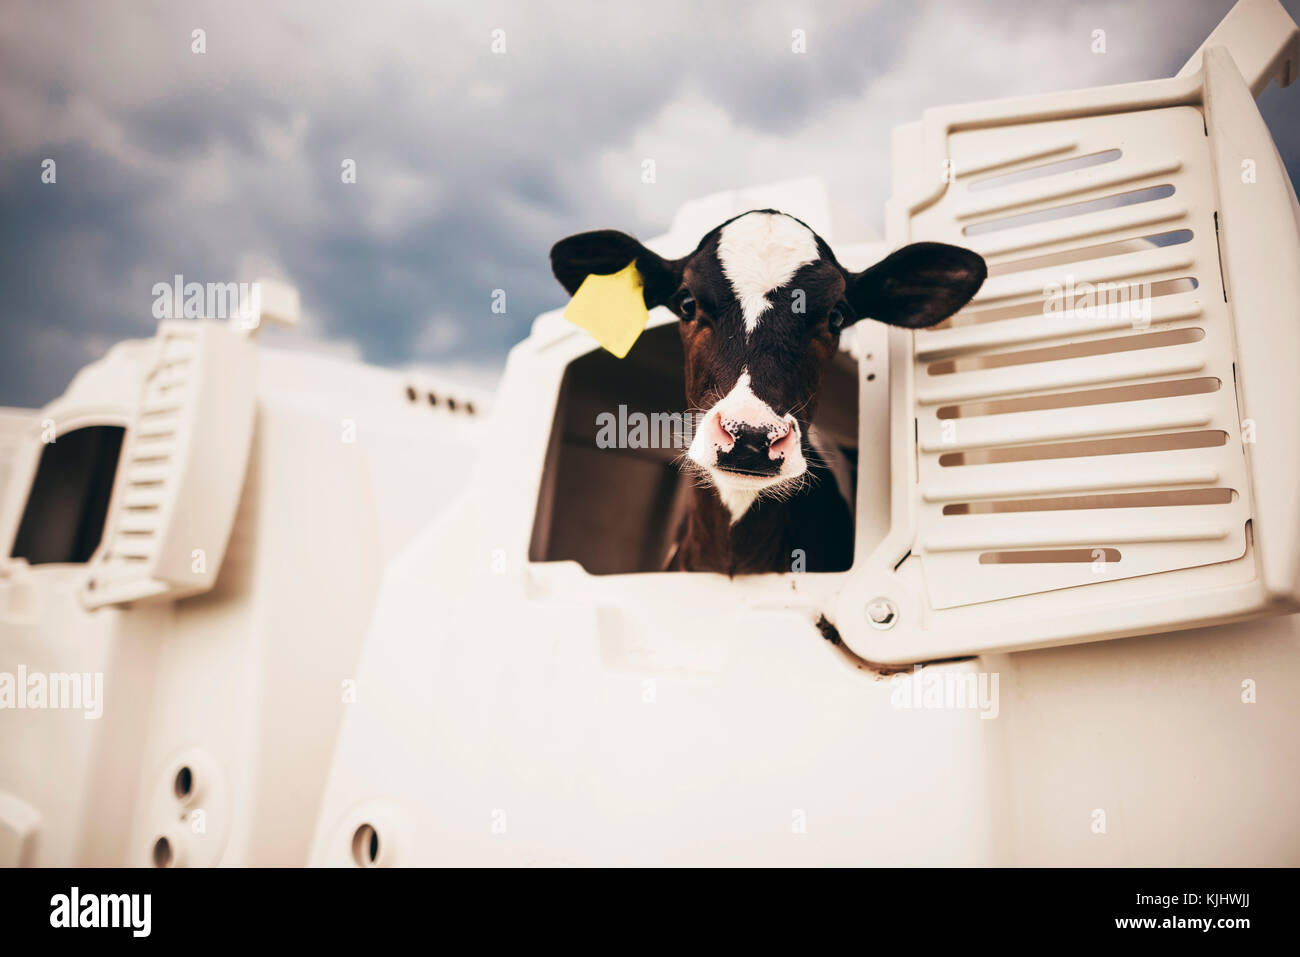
839,318
686,307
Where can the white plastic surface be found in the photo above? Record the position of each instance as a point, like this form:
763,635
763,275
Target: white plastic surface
1262,40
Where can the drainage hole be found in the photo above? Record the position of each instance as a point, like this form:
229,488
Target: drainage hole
162,853
365,846
183,786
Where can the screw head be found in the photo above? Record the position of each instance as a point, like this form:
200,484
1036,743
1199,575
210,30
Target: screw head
882,613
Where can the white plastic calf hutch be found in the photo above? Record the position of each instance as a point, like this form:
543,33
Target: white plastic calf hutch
248,500
499,671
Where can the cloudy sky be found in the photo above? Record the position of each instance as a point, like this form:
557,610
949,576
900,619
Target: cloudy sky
226,165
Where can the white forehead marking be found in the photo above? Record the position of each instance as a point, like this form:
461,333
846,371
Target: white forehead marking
760,252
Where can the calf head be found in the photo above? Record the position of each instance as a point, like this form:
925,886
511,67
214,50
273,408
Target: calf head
762,301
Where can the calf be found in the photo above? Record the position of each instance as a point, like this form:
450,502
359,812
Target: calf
762,301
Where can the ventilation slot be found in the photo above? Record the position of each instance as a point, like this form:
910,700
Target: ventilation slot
1198,496
1073,556
1042,306
1067,450
1072,210
1053,168
1173,237
1072,400
1096,347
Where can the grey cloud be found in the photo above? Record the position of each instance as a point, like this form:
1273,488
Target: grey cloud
469,165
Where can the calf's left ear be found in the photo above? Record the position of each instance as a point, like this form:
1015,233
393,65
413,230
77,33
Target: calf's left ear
607,251
918,285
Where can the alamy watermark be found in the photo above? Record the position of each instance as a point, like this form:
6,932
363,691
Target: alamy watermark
127,911
238,301
944,689
646,430
1103,300
72,691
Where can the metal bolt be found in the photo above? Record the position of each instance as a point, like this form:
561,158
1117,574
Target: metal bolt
882,613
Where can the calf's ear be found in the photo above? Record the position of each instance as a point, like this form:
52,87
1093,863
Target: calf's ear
918,285
607,251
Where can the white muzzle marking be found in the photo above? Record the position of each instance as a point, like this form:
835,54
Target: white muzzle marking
715,435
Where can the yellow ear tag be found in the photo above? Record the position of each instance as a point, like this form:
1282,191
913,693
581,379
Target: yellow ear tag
612,308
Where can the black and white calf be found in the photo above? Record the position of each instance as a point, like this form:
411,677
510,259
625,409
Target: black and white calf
762,301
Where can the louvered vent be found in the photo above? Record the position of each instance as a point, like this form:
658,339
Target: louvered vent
149,466
1078,422
1102,443
182,467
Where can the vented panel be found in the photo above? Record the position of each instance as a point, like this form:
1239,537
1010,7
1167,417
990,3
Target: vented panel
182,466
1064,439
150,467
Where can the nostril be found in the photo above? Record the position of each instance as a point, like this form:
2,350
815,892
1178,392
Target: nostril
719,434
730,426
784,444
